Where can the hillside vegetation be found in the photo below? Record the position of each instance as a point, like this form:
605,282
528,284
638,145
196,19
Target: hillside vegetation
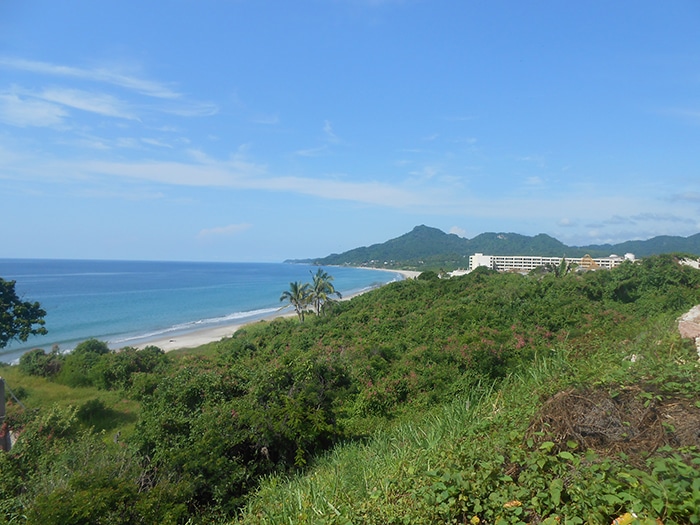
488,398
430,248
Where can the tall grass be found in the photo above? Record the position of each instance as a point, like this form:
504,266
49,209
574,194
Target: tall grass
102,410
376,480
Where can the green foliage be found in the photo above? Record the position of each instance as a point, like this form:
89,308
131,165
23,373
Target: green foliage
18,319
322,291
409,404
299,296
428,276
91,346
57,474
92,363
38,363
76,369
118,370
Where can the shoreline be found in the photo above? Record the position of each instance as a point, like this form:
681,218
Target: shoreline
204,336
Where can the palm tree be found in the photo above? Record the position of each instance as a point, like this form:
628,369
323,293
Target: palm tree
322,290
298,296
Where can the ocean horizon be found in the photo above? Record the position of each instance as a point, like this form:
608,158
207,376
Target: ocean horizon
127,303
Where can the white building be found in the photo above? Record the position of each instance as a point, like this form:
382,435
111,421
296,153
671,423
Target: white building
505,263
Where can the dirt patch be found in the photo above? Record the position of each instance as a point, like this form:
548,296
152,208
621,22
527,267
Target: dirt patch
634,421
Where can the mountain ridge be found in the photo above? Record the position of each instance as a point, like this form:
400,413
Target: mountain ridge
426,246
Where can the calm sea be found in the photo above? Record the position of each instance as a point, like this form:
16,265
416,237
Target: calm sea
129,302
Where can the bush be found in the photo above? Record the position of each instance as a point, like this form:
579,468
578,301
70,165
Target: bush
38,363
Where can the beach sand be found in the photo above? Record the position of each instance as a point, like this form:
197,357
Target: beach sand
211,335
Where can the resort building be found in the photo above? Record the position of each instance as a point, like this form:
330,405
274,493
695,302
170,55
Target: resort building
506,263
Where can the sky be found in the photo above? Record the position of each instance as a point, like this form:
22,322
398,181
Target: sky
260,130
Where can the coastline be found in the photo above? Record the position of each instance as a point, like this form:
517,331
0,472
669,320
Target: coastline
211,335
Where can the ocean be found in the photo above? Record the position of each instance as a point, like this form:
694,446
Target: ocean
126,303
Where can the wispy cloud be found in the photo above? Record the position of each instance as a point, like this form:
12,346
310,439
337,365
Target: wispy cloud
238,173
534,181
328,130
156,142
145,87
312,152
134,196
461,232
329,138
688,196
223,231
99,103
662,217
565,222
537,160
189,109
425,173
169,100
26,112
646,217
683,113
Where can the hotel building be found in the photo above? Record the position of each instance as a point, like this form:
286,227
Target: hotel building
506,263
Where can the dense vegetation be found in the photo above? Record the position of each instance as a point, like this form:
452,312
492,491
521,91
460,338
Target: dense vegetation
431,248
425,401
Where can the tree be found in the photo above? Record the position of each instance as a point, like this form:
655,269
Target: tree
91,346
298,296
322,290
18,319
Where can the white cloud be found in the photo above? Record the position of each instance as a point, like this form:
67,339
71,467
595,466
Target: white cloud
223,231
170,101
98,103
140,85
136,195
461,232
238,173
328,130
156,142
312,152
190,109
25,112
426,172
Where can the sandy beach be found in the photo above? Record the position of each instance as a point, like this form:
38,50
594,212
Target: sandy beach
210,335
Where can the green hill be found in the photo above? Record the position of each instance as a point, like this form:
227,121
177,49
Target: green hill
653,246
419,244
430,248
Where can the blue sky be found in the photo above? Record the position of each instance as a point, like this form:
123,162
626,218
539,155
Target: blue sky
253,130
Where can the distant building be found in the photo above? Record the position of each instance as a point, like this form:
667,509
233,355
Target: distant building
505,263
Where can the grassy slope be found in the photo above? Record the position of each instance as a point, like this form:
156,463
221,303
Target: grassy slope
119,415
451,464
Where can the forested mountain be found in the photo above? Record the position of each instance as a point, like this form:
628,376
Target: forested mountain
426,247
419,244
654,246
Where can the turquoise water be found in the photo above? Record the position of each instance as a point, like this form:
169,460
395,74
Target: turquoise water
129,302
